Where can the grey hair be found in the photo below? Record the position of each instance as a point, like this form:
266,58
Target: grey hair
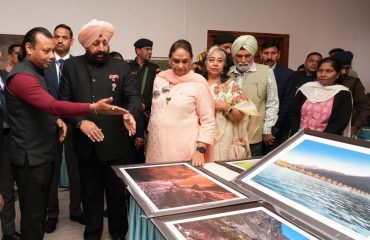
213,49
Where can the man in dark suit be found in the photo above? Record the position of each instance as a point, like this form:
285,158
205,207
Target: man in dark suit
270,55
7,216
63,37
90,77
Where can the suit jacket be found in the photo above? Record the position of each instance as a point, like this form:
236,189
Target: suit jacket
3,75
286,94
51,78
84,82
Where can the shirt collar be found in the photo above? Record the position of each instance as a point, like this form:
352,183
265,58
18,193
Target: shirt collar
273,66
57,57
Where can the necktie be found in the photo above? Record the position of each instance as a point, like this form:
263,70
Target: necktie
61,64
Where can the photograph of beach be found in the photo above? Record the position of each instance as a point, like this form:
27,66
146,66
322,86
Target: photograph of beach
255,223
329,182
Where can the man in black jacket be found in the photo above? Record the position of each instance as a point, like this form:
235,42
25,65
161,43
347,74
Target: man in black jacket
63,37
144,73
90,77
7,216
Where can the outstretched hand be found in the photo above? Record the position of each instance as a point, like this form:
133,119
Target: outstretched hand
103,106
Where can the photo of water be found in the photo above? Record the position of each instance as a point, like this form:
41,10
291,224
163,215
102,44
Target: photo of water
335,203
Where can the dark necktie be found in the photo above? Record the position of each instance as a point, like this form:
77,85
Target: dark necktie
3,103
61,64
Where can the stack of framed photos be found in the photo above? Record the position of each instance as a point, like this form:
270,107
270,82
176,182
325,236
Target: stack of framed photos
314,186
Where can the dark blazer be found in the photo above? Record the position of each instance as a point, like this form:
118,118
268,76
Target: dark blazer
51,78
286,93
3,75
83,82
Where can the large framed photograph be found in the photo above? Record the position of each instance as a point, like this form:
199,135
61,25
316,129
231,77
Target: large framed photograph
165,189
243,221
320,177
239,165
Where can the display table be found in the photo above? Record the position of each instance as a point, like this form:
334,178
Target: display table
142,228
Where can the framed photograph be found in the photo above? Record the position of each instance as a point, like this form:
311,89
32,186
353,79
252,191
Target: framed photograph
239,165
243,221
165,189
321,177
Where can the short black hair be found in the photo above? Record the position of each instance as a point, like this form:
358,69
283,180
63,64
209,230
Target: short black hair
270,43
333,62
115,55
313,53
336,50
66,27
30,37
11,47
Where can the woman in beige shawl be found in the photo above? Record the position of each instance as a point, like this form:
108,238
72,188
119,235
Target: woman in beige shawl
237,117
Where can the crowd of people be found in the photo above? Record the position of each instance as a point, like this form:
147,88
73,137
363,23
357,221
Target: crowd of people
98,111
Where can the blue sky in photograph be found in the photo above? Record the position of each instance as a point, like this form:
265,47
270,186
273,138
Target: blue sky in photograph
323,156
291,233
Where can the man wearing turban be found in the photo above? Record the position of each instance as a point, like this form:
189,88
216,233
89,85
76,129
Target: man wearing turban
101,142
258,82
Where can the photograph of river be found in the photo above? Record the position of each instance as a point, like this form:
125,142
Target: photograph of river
328,182
255,223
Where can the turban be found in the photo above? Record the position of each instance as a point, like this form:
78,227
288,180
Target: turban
246,42
343,58
143,42
92,30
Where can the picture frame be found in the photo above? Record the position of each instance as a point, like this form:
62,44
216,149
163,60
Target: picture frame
239,165
165,189
211,224
313,176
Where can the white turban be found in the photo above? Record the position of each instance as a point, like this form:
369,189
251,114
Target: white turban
92,30
247,42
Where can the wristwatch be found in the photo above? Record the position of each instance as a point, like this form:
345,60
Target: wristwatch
201,150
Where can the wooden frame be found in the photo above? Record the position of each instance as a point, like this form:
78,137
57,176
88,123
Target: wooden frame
283,38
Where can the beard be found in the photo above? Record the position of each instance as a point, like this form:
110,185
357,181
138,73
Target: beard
243,67
98,58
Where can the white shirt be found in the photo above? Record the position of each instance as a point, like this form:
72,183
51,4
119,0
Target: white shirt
57,63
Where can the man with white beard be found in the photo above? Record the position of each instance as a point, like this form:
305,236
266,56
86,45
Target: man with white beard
258,82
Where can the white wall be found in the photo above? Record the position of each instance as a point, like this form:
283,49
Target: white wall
315,25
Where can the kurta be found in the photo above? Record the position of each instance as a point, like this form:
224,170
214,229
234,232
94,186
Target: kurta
233,138
180,117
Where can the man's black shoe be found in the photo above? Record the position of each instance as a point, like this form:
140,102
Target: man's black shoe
51,225
78,218
15,236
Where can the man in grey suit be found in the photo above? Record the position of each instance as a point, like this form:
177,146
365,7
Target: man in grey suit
63,37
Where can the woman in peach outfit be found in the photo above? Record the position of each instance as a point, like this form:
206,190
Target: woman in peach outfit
182,121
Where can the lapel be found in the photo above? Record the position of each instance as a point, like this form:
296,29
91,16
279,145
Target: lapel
51,78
